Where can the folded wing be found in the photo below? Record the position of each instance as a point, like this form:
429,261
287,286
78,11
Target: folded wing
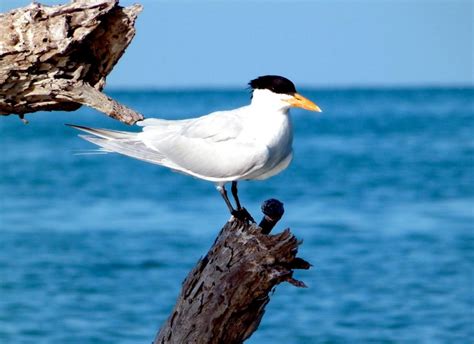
212,147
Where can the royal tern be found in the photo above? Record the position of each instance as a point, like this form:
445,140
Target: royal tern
252,142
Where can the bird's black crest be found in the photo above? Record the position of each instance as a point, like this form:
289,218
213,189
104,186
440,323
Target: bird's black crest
274,83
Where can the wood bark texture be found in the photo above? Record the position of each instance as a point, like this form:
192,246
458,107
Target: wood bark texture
58,57
223,298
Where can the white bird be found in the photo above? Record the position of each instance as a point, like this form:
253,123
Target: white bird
253,142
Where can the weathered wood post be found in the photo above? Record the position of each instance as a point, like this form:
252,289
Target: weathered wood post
223,298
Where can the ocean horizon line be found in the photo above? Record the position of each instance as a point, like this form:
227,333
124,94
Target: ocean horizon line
323,88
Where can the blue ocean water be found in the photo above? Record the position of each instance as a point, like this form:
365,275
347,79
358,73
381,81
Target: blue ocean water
93,249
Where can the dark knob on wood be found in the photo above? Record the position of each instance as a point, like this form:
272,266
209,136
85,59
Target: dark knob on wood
273,211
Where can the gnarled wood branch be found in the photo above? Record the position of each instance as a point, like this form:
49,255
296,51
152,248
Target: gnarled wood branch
57,58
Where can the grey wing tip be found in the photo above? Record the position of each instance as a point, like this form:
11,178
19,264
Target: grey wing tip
78,127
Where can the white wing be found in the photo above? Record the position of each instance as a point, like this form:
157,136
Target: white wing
211,147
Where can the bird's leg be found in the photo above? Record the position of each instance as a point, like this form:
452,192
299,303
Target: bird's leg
241,212
236,196
223,193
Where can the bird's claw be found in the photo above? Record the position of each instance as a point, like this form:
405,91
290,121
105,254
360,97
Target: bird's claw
243,215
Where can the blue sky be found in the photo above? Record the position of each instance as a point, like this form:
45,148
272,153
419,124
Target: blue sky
327,43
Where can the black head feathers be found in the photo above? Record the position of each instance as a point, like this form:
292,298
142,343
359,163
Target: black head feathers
274,83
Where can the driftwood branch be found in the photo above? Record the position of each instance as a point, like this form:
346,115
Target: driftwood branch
223,298
57,58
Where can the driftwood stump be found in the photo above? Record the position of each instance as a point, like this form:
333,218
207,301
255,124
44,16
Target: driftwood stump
223,298
57,58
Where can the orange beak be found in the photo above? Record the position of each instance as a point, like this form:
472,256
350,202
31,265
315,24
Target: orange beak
299,101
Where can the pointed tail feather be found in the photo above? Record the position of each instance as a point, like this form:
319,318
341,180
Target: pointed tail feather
105,133
132,148
122,142
98,151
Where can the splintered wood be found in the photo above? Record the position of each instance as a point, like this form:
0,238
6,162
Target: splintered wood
223,298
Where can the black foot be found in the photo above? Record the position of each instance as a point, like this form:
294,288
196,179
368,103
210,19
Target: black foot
243,215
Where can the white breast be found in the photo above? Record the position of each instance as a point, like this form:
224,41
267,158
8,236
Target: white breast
274,130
